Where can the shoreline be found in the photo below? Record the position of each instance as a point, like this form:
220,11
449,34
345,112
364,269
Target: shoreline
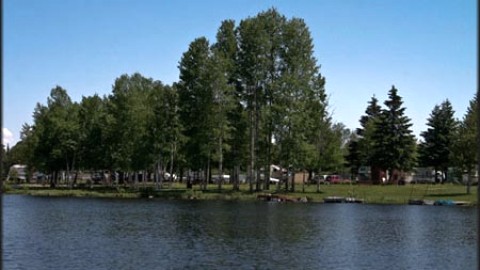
372,195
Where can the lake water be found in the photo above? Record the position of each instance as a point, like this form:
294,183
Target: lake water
81,233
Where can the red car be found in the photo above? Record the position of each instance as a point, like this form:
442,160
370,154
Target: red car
334,179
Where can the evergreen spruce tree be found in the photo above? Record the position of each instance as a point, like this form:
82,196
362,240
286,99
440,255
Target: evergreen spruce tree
465,144
360,149
393,141
436,148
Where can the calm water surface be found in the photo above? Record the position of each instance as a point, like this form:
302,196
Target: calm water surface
71,233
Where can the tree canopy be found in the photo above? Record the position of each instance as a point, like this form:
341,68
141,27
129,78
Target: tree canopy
251,98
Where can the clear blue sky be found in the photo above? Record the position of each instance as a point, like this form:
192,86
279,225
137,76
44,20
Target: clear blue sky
426,48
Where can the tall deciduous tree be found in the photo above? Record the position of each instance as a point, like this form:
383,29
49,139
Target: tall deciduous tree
93,143
127,124
164,130
22,152
252,71
56,126
226,48
282,89
317,127
222,93
195,107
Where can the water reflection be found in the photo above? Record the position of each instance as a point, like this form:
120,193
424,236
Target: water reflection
68,233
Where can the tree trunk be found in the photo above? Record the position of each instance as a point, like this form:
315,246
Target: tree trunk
207,173
256,149
189,179
52,179
318,184
73,170
75,178
376,175
236,178
220,164
131,180
268,163
181,175
144,178
161,173
303,182
259,179
171,162
292,189
251,172
67,178
157,174
436,177
286,179
136,175
469,180
310,176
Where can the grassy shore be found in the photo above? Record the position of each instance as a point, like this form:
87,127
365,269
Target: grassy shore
389,194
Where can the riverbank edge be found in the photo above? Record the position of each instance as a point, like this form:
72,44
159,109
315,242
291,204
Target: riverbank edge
209,195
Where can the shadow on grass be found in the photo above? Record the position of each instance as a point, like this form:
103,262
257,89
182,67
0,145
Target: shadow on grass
446,194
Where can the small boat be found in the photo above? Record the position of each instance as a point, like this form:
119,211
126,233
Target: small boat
444,202
333,199
461,203
428,202
416,202
420,202
353,200
278,198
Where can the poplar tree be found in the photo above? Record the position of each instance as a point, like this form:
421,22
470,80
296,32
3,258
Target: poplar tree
194,108
282,88
222,104
206,100
57,130
164,130
93,143
252,71
302,98
226,48
127,124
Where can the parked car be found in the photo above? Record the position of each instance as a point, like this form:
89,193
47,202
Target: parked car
319,179
97,177
274,181
334,179
168,176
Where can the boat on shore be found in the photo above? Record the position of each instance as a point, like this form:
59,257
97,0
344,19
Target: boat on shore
353,200
438,202
280,198
333,199
337,199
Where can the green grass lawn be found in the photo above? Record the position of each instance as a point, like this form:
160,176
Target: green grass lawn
388,194
393,194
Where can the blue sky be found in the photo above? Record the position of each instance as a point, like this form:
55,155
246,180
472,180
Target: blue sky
426,48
